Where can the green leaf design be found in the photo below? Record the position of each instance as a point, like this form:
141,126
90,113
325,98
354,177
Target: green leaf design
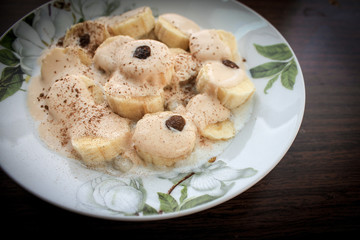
270,83
8,58
190,203
167,203
267,69
287,69
289,74
8,39
112,7
10,81
183,194
149,210
275,52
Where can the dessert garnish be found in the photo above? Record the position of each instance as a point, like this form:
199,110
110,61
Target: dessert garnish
142,52
230,64
175,122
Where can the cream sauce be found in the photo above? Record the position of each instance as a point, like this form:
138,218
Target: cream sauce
207,45
205,110
107,54
152,136
183,24
224,76
63,105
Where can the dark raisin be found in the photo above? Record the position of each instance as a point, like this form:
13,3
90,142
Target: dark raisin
142,52
230,64
175,122
84,40
60,42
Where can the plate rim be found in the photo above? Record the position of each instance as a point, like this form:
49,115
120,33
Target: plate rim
202,207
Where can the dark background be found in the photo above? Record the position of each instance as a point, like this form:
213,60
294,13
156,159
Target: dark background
313,192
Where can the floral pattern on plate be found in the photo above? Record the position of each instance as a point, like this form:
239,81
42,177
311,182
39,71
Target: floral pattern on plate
24,43
128,196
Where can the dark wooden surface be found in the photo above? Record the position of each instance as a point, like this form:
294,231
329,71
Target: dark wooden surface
314,191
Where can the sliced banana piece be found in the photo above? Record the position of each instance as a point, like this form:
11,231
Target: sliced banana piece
135,107
219,131
87,35
95,151
226,81
230,40
211,118
213,44
132,99
60,62
99,135
174,30
164,138
107,54
94,89
235,96
135,23
186,67
146,62
96,133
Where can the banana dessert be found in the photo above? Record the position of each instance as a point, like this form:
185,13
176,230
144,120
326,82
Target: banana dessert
137,23
164,138
145,68
97,134
211,117
135,94
182,87
87,35
212,44
132,100
107,54
186,67
226,81
174,30
63,62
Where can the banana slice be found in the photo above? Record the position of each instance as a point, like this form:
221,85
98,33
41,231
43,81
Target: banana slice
135,108
96,134
61,62
146,62
164,138
210,117
135,23
107,54
100,136
229,39
226,81
94,151
219,131
186,67
94,89
174,30
238,95
212,44
131,99
87,35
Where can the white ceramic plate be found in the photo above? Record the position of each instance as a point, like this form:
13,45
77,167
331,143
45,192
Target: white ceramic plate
277,115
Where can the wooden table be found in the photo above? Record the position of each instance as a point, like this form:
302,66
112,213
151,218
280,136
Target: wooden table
315,189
